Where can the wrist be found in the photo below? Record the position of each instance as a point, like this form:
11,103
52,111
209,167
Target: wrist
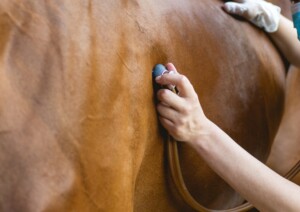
215,142
206,135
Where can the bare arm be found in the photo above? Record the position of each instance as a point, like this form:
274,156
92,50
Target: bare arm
185,120
286,40
267,16
261,186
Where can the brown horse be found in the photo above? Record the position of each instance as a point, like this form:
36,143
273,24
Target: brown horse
78,126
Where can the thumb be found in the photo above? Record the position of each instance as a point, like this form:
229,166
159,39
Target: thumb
236,8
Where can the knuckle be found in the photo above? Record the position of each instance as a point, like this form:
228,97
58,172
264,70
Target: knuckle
162,94
196,97
180,122
182,80
187,108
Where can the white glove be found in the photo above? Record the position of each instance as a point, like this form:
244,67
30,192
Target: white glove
261,13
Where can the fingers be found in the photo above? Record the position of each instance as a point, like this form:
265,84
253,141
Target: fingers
236,8
166,123
166,112
182,84
180,115
170,99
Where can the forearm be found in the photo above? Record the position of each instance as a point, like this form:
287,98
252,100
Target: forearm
286,40
253,180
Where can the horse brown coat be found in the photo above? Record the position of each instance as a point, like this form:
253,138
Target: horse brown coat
78,126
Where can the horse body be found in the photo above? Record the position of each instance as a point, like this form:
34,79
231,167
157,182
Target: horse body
78,124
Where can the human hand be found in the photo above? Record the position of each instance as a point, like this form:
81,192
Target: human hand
181,115
261,13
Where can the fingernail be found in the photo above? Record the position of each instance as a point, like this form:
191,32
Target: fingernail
170,67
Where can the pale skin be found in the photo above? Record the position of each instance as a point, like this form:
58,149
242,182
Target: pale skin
285,38
182,116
